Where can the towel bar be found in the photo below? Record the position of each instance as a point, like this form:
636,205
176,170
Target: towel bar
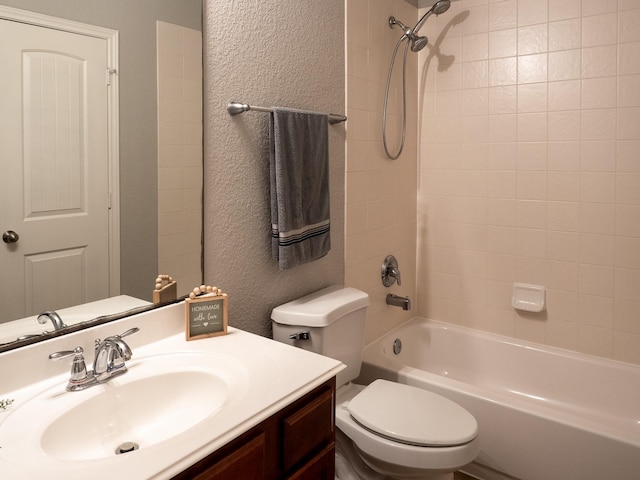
235,108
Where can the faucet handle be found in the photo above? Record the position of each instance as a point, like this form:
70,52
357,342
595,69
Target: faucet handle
131,331
390,271
395,273
66,353
124,351
78,367
97,342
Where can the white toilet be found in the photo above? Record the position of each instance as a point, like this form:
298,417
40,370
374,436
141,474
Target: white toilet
385,429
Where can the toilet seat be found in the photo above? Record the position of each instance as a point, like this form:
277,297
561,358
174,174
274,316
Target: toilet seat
379,450
411,415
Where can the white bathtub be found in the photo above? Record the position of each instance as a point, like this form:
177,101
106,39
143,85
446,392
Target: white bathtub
543,413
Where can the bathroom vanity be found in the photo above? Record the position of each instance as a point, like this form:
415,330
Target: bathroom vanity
235,406
295,443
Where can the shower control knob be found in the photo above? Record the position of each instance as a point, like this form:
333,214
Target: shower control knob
10,237
390,272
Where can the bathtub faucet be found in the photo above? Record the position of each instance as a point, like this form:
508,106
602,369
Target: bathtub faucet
398,301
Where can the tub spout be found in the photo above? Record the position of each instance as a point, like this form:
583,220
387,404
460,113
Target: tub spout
398,301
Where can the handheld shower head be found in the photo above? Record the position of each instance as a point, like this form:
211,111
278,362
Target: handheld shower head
417,42
441,6
436,9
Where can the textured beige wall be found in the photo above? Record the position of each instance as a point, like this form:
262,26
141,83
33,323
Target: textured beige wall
273,52
530,170
381,193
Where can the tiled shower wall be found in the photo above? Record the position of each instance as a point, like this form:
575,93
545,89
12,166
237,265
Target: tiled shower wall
529,170
381,193
180,154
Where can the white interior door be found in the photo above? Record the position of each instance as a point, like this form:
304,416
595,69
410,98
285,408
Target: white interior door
54,184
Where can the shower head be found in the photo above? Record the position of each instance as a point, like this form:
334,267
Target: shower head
437,8
441,6
418,42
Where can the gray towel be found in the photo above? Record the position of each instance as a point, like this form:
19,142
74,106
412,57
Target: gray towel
299,186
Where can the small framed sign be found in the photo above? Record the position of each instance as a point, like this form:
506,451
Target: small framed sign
206,316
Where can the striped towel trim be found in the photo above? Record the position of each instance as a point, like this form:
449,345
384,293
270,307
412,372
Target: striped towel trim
299,235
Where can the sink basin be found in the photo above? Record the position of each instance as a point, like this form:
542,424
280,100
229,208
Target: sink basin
161,397
143,412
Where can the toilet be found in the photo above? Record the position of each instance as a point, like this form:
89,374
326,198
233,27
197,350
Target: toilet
386,429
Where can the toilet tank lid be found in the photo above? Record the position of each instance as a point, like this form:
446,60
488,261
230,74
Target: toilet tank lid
321,308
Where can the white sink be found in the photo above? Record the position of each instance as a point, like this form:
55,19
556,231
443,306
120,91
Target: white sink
179,401
161,397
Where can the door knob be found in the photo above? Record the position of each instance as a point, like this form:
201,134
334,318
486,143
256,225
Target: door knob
10,237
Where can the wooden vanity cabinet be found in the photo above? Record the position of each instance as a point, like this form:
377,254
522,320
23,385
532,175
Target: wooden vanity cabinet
297,443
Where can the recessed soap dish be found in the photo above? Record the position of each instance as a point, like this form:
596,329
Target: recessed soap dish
527,297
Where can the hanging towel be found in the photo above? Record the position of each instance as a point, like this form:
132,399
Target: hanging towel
299,162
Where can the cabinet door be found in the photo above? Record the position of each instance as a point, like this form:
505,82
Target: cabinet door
296,443
308,428
247,462
320,467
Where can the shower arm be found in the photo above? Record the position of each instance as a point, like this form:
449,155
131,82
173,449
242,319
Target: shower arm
406,30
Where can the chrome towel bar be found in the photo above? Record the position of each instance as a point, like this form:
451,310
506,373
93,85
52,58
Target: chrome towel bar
235,108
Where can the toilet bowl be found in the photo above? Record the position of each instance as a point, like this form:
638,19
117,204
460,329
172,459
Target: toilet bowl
404,432
385,429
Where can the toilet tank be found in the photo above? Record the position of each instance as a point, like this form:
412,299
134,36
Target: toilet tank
335,321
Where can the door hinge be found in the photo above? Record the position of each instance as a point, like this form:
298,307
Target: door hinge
110,71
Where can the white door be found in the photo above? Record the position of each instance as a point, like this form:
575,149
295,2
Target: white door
54,178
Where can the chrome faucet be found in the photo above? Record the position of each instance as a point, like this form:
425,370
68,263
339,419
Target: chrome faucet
110,356
398,301
54,317
111,353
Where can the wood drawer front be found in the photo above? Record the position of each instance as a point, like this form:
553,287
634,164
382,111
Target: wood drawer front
308,428
248,461
320,467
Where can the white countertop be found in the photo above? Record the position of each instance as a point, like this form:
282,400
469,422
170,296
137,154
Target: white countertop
277,375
